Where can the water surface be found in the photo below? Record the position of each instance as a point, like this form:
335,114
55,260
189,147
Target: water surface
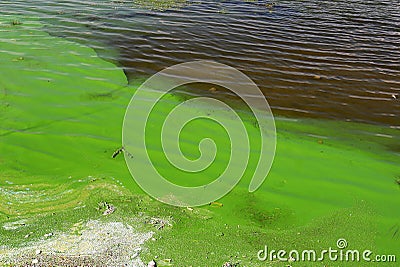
61,113
322,59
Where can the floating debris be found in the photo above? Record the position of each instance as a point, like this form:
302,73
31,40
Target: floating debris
18,59
159,223
119,151
216,204
395,96
230,264
16,22
213,90
161,5
152,264
28,235
14,225
48,235
136,253
270,5
110,209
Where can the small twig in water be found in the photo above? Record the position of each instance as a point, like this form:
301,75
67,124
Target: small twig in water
119,151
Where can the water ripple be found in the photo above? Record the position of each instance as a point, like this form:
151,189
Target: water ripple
311,58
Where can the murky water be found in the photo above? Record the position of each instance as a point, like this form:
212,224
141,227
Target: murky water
311,58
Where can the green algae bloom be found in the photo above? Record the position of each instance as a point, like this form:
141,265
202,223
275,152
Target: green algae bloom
61,112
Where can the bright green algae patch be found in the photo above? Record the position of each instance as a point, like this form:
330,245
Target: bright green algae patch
61,114
330,180
54,96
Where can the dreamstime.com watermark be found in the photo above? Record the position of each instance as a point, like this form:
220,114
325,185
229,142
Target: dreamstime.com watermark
340,253
141,109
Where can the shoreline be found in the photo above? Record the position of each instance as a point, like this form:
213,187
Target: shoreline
59,161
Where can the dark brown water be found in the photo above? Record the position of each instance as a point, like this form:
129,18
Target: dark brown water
326,59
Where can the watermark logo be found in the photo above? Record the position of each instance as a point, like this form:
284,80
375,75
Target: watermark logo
139,112
340,253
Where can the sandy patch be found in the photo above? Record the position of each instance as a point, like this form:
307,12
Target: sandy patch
93,243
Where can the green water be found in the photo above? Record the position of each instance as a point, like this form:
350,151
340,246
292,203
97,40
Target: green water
61,113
